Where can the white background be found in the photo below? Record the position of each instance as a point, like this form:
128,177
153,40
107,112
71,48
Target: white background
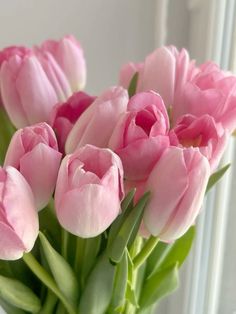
113,32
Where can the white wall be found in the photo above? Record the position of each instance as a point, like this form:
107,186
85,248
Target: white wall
112,32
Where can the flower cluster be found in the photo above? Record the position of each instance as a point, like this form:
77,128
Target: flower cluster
166,138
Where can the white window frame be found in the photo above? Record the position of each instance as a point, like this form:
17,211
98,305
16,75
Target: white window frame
211,29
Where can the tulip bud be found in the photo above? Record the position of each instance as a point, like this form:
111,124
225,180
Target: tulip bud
69,55
18,216
65,115
27,94
177,184
96,124
89,190
141,135
34,152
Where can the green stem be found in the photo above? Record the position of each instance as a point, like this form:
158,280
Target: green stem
41,273
64,247
79,254
145,252
49,304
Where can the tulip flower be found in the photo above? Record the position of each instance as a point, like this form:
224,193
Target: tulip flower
96,124
69,55
89,190
55,75
211,91
27,94
18,216
141,135
177,184
8,52
202,132
34,152
163,71
65,115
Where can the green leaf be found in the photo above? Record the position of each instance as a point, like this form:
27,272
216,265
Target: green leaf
97,294
126,206
120,284
9,308
166,254
215,177
128,229
133,85
159,285
61,270
17,294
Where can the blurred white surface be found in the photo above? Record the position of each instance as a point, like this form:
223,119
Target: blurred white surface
111,32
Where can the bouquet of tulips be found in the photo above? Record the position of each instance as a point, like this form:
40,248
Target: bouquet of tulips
99,195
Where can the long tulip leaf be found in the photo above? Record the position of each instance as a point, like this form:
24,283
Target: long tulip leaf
61,270
97,294
116,250
215,177
159,285
17,294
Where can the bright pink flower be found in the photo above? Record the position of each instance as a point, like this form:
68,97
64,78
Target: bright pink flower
89,190
202,132
34,152
96,124
212,92
69,55
164,71
65,115
11,51
18,216
27,94
177,184
141,135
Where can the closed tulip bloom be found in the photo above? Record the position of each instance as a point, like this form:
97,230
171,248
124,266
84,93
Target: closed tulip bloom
34,152
89,190
96,124
202,132
55,74
141,135
177,184
164,71
70,57
64,115
18,216
27,94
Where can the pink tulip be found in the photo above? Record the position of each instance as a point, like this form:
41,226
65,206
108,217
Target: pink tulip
177,184
34,152
141,135
212,92
65,115
55,74
202,132
8,52
96,124
89,190
163,71
69,55
18,217
27,94
127,72
11,51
